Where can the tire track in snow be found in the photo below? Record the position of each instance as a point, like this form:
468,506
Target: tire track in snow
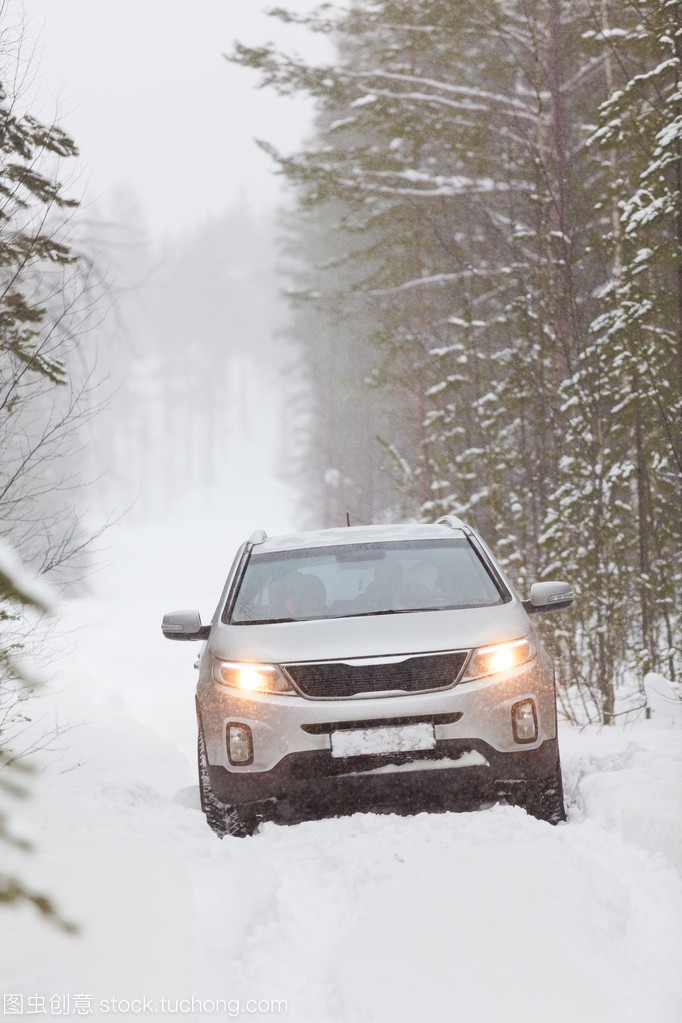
388,919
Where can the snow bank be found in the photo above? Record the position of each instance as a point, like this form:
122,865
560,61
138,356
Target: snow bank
630,782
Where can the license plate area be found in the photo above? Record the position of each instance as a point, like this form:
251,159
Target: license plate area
360,742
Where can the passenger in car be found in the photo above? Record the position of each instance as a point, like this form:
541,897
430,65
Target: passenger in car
382,593
298,595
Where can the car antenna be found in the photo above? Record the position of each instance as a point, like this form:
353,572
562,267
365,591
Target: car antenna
348,518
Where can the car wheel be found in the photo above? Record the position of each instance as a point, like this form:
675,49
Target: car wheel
544,797
222,818
541,797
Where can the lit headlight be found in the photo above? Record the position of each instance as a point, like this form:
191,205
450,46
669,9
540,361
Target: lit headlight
251,678
490,660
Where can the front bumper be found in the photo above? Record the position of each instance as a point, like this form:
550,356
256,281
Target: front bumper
292,763
461,773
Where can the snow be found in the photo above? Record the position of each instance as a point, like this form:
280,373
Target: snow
357,742
24,582
470,759
482,917
671,133
343,122
664,700
363,101
439,87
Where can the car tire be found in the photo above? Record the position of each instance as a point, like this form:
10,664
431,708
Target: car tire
222,818
540,796
544,797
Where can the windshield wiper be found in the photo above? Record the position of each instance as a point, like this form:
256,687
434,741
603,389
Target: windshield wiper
367,614
332,617
266,621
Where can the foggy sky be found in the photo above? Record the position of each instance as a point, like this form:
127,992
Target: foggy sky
144,90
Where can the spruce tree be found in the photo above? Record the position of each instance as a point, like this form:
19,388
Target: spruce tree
39,402
510,261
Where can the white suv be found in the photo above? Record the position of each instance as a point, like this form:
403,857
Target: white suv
372,668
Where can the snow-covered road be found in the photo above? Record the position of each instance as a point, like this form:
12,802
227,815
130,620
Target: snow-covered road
475,917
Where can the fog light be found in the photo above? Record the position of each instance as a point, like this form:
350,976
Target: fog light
239,744
524,721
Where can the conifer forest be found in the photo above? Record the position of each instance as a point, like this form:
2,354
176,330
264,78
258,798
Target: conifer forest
484,262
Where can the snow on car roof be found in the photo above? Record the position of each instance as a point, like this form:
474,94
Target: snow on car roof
359,535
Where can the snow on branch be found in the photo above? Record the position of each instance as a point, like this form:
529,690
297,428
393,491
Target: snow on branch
18,584
442,278
424,186
479,96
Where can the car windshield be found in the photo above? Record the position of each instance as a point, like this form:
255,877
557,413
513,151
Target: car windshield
363,579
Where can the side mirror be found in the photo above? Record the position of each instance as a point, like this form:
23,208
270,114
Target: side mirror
184,625
552,596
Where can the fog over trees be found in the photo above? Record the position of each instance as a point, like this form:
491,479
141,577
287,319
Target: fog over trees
190,346
486,268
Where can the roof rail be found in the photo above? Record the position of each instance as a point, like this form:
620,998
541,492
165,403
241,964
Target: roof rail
260,536
450,520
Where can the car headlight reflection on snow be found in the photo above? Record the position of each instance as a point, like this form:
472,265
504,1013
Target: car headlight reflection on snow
491,660
251,677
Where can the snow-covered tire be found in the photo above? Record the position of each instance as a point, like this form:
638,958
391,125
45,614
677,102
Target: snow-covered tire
222,818
544,798
541,797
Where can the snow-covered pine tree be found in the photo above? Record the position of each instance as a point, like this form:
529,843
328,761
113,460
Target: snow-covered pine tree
399,149
18,593
42,403
616,516
455,140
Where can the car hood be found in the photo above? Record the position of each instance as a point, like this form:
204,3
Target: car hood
371,636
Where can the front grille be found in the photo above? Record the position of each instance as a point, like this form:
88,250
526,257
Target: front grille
336,679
